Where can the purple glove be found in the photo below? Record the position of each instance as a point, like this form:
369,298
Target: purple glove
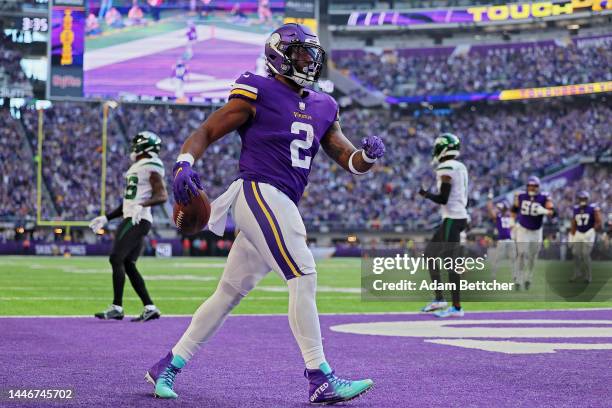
373,147
186,183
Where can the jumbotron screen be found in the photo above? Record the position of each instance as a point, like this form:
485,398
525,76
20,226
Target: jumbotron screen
183,50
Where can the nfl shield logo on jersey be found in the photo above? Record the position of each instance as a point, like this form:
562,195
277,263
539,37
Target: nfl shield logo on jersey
302,106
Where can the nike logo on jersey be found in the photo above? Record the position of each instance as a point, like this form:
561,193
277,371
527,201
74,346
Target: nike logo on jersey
246,75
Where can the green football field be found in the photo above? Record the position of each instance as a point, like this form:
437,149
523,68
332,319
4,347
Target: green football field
82,286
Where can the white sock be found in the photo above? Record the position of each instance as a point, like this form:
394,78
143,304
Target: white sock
118,308
304,319
207,319
150,307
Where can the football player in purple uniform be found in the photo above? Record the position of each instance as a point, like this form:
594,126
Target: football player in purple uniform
282,124
505,247
530,208
586,221
192,38
180,71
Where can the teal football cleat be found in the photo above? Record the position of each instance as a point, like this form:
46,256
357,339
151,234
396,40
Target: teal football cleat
450,312
326,388
163,374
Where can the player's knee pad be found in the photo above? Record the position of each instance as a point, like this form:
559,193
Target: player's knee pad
231,295
304,286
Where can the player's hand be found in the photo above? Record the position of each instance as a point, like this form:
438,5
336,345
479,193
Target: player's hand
422,192
186,182
137,214
540,210
373,147
98,223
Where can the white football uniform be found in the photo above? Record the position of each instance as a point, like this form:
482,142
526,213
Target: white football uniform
272,237
456,207
138,187
271,222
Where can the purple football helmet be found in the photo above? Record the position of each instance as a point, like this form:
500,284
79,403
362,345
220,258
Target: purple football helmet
534,183
583,197
502,206
293,51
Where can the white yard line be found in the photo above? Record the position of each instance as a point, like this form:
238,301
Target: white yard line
323,314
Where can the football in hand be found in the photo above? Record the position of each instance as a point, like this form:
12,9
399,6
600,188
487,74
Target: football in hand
193,217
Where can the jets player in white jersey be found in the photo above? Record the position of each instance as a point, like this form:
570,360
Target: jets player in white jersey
452,196
144,189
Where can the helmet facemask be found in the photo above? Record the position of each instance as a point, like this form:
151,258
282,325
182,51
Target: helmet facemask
302,62
583,198
446,145
532,189
306,62
145,143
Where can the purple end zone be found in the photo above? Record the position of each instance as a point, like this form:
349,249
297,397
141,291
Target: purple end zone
254,362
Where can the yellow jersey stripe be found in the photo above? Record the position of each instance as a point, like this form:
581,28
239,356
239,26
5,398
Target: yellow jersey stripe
274,230
248,94
245,87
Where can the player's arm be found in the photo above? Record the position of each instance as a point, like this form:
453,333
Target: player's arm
100,221
343,152
491,210
443,194
598,221
573,227
230,117
550,207
116,213
515,205
159,195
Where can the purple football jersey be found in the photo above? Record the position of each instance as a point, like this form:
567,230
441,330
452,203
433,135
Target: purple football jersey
281,140
192,34
503,223
527,217
584,217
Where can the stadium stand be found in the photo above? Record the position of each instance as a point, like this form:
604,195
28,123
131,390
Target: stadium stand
501,147
480,68
13,80
17,195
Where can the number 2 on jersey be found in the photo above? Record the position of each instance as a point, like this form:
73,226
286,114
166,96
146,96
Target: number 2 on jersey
297,144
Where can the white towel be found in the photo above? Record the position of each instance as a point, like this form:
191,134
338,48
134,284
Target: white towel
221,206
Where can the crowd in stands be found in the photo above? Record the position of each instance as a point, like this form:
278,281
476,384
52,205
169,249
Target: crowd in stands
500,147
13,80
17,177
400,73
72,159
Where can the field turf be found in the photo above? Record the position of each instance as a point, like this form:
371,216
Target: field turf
34,286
